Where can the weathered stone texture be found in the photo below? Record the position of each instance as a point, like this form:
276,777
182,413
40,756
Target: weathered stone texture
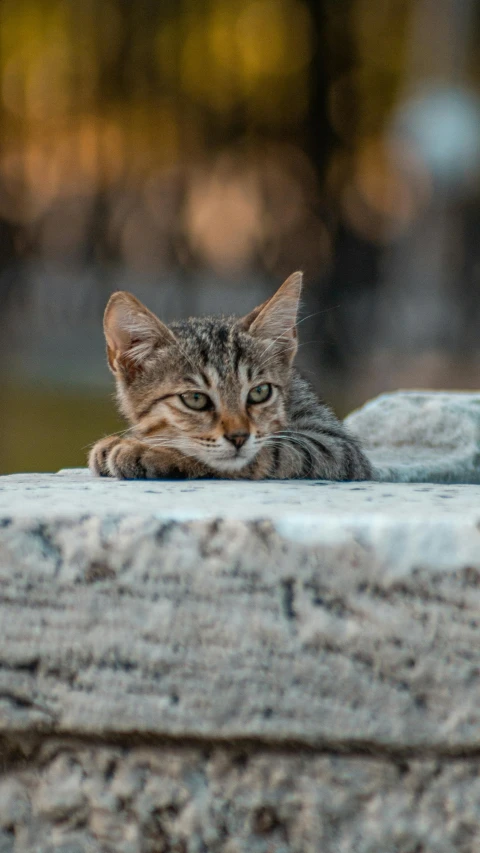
80,798
226,629
421,436
253,668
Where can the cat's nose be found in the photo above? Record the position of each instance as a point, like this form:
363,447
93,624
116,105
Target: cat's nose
237,438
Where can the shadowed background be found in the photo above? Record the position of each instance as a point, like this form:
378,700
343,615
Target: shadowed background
196,152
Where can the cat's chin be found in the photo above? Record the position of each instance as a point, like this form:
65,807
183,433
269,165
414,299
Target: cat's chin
228,465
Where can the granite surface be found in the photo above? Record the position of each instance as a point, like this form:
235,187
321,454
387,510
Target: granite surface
189,667
74,797
421,436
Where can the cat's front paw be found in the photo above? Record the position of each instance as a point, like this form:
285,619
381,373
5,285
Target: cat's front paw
98,456
128,459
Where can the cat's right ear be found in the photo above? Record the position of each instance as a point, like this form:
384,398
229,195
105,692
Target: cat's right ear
132,332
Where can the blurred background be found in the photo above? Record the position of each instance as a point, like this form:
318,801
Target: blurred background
196,152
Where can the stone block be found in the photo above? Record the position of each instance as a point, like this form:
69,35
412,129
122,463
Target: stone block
421,437
215,667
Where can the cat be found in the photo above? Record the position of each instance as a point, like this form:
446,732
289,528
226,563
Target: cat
216,397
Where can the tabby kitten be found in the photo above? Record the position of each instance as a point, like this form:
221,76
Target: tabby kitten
215,397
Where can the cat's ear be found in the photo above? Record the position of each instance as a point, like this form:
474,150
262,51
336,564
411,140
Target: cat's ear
132,332
276,319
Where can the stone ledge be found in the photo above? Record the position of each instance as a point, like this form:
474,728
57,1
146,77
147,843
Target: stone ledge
238,667
279,612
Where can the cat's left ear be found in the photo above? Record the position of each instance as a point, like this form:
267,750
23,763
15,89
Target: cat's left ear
276,319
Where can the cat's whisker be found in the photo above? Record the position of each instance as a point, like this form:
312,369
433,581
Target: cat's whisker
298,323
275,355
291,452
318,313
164,443
296,438
294,443
123,433
272,343
289,441
186,357
167,445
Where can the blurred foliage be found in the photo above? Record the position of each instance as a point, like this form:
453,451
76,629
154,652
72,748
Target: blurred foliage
45,430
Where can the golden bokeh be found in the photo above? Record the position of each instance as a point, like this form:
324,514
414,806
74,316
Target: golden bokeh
160,146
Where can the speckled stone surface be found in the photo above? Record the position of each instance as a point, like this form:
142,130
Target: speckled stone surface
239,667
421,436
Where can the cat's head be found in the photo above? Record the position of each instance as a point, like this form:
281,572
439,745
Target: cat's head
214,388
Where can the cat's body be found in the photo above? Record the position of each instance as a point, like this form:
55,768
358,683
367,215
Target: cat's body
218,397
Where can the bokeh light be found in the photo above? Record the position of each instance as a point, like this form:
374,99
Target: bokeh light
197,151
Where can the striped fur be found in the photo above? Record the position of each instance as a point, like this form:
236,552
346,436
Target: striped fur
289,434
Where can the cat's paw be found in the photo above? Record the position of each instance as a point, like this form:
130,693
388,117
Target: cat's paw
132,460
98,456
128,459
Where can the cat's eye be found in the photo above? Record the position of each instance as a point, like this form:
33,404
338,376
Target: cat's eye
196,400
260,394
